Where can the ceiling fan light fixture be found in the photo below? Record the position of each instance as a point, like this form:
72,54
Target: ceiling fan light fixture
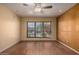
37,9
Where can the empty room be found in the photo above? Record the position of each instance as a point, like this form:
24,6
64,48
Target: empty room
39,28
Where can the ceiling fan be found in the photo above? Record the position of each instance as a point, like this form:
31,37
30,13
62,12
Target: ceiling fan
39,5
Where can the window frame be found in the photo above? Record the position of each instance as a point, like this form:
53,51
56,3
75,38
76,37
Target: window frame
35,29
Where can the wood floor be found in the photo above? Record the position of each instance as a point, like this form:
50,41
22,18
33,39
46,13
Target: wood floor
39,48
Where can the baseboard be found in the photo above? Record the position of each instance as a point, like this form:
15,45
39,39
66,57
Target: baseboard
69,47
36,40
8,46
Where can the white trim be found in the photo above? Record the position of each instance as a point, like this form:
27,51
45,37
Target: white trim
69,47
38,40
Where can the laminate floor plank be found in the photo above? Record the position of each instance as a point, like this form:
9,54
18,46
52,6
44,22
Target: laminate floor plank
39,48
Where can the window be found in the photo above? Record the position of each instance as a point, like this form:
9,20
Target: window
47,30
31,29
38,29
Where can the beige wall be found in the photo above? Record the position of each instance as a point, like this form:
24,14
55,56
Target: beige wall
9,28
68,27
24,28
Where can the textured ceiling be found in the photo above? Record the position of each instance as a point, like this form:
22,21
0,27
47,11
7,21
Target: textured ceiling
24,11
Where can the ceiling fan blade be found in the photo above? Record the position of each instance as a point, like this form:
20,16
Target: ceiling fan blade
28,4
25,4
48,7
